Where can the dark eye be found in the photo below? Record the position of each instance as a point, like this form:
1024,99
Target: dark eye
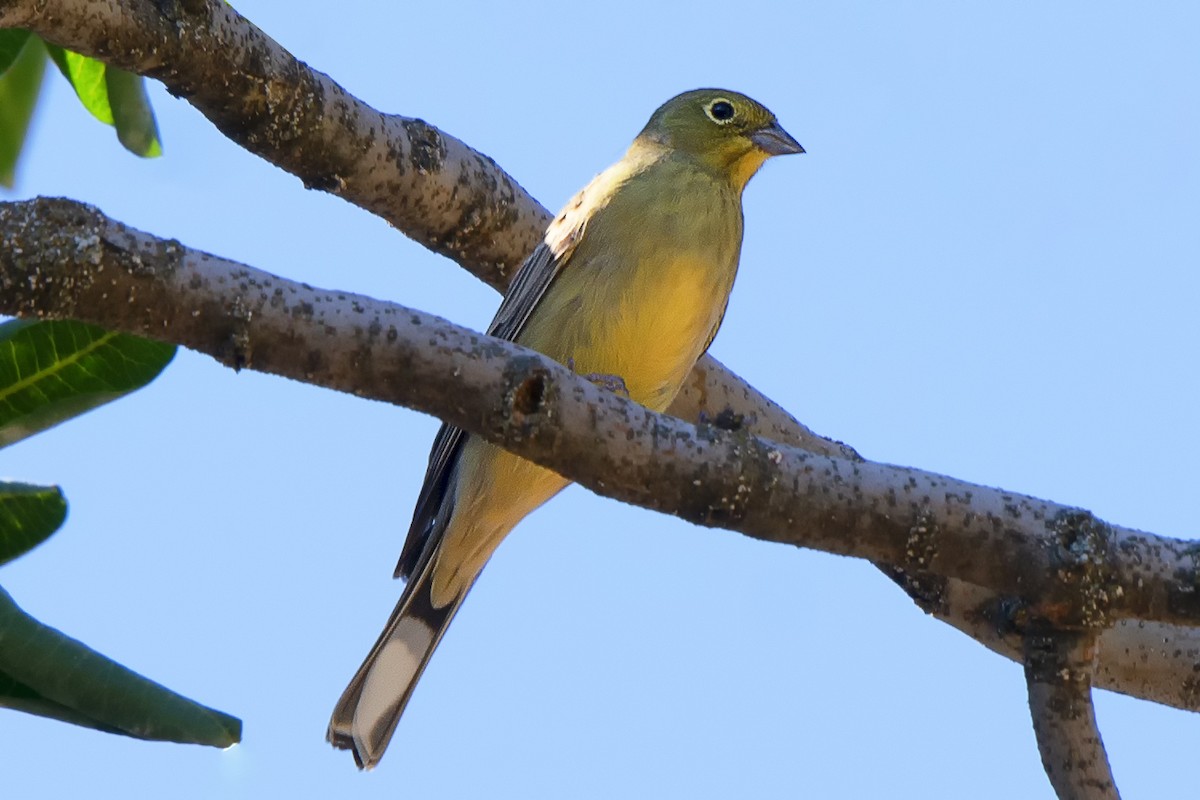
721,111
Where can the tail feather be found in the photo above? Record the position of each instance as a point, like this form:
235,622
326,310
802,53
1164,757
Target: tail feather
367,713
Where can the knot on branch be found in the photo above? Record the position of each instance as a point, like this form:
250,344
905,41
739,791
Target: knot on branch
526,399
529,394
427,147
1081,563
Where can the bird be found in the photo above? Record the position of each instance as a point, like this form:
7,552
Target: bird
627,288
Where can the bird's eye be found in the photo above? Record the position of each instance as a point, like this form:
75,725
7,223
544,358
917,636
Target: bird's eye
720,111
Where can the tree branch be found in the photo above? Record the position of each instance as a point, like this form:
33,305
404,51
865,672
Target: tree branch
457,202
437,190
1151,660
431,186
441,193
1058,671
62,259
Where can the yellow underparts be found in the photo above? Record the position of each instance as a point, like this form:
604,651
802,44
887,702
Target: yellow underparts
638,299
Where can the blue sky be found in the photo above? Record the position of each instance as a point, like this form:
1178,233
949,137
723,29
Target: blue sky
986,265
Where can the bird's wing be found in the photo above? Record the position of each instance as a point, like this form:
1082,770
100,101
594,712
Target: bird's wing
528,287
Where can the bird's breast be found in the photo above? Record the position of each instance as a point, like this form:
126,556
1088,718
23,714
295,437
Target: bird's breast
646,287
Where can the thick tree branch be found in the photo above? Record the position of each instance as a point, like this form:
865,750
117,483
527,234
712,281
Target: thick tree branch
1058,671
64,259
437,190
441,193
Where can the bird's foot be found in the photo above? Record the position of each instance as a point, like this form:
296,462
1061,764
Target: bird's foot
614,383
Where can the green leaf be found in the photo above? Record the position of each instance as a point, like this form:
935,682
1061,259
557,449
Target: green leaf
28,515
19,697
11,42
86,76
52,371
115,97
132,114
45,672
22,64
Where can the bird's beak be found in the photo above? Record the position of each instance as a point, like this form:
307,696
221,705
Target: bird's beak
775,141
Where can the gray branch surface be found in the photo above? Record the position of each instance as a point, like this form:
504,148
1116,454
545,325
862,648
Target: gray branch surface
63,259
440,192
1058,673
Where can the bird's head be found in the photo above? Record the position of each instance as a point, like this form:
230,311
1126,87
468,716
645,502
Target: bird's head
726,131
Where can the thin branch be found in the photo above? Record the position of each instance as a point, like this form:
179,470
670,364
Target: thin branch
1150,660
1058,672
64,259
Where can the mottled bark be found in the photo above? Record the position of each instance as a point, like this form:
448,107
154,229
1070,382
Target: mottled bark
445,195
1058,672
59,258
1150,660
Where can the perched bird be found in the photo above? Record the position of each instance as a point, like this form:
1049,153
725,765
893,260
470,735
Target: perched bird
630,283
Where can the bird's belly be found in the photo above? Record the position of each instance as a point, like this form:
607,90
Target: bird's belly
648,326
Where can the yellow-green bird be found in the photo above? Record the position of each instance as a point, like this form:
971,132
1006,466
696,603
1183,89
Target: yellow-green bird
630,283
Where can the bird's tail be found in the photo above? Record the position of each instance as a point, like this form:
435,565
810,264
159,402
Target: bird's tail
366,715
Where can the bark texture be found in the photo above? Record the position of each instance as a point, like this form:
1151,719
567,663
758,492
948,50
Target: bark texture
1062,566
1058,672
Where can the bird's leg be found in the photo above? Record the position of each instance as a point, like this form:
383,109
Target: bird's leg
614,383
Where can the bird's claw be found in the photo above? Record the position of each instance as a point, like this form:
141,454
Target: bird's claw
614,383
